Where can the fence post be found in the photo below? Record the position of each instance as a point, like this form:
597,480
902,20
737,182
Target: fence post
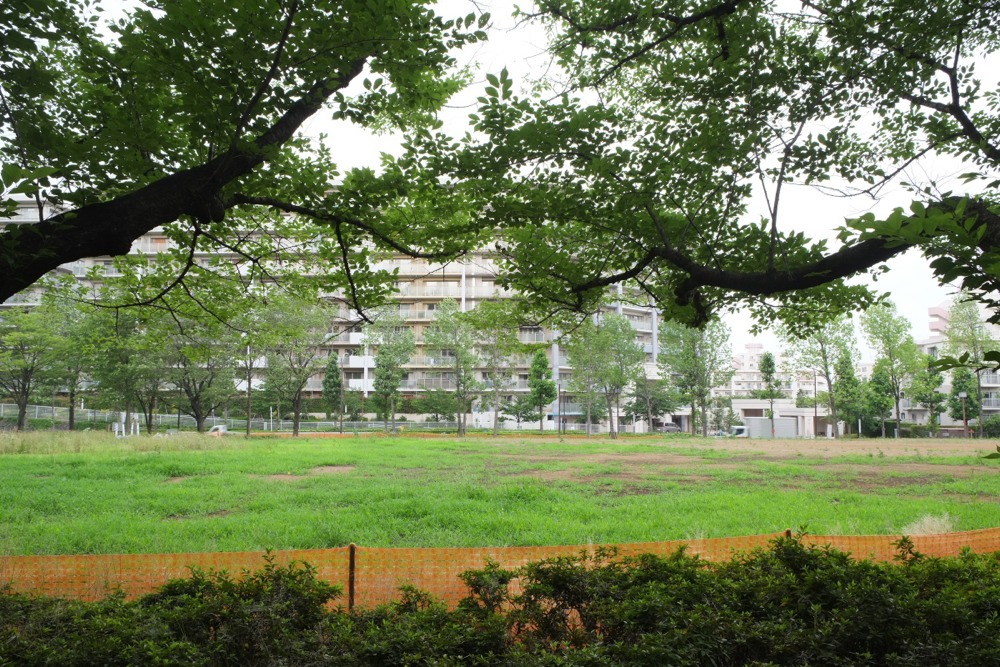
352,554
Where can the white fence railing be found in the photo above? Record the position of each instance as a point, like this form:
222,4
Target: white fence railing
106,419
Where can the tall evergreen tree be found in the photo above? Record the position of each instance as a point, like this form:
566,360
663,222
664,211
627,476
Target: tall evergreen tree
848,390
924,390
333,389
394,345
772,387
542,387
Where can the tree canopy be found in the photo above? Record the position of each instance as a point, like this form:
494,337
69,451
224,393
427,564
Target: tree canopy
641,165
187,114
674,120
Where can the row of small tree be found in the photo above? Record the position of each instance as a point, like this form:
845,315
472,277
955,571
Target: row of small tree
901,370
145,359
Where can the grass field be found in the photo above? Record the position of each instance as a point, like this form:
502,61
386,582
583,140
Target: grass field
66,493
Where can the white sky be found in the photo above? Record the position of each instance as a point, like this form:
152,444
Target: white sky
521,49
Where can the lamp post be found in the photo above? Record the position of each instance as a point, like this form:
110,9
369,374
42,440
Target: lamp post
965,421
249,396
815,403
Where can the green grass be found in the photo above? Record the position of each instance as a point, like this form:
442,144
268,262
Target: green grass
89,493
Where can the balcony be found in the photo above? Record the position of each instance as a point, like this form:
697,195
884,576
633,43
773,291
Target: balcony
357,361
359,385
989,379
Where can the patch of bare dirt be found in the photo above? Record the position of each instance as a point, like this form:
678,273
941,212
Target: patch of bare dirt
876,447
312,472
174,480
607,459
330,470
930,469
183,517
625,490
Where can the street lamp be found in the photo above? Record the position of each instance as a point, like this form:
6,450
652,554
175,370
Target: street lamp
965,421
815,403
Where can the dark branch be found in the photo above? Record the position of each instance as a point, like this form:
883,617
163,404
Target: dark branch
335,219
28,252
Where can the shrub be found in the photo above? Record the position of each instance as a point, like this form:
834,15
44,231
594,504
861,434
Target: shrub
790,604
991,427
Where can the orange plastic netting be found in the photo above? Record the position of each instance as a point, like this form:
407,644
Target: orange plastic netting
378,573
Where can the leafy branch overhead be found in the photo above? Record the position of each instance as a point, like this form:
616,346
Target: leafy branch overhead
180,112
660,152
704,107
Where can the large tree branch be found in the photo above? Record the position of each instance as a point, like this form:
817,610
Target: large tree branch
28,252
841,264
336,219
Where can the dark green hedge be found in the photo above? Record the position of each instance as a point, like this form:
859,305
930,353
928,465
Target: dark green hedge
787,605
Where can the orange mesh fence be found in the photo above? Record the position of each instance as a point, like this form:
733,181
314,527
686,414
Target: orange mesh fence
372,576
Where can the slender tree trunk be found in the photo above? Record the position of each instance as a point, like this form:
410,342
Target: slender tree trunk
612,431
72,409
897,416
979,397
694,411
296,412
22,413
392,415
496,409
588,418
704,416
128,415
618,414
343,408
249,390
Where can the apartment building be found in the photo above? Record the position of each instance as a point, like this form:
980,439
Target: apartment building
934,345
421,287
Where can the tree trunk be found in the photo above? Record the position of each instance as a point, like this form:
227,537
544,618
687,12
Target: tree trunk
704,417
22,413
128,417
694,411
897,416
979,397
296,412
618,415
496,410
72,410
343,407
612,431
392,415
588,418
249,393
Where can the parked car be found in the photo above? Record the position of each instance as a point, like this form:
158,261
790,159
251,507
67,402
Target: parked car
669,427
